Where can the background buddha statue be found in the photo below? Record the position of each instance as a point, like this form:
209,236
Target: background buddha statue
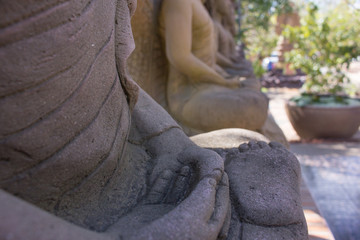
179,69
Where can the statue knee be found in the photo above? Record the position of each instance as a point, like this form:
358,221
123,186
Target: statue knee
257,110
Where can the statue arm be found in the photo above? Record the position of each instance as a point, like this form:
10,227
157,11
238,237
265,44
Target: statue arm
177,16
156,129
224,61
165,140
22,220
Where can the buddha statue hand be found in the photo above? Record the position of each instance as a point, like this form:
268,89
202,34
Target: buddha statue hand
244,82
187,202
250,82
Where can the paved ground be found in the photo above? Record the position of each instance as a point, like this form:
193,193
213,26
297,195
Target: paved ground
331,172
317,226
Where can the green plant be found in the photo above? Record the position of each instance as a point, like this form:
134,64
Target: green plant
323,47
258,69
257,28
258,13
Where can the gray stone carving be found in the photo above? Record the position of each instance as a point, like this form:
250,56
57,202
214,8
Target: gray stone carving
86,154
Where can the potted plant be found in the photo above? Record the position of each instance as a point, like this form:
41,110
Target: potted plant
323,48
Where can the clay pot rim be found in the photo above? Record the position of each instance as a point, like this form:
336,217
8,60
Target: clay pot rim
345,107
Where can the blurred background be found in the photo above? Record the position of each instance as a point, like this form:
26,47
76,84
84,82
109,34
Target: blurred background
308,52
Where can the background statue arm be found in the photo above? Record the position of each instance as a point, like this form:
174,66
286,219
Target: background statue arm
224,61
177,16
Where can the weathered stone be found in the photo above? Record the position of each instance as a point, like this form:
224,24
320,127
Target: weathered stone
81,160
290,232
270,179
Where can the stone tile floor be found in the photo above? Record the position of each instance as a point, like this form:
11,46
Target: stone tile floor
317,227
331,173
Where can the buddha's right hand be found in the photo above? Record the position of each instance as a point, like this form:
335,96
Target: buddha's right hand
189,203
200,216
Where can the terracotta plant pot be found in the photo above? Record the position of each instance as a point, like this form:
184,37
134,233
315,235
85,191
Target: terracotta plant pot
323,122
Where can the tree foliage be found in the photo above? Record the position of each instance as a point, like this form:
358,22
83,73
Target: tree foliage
257,13
257,32
323,47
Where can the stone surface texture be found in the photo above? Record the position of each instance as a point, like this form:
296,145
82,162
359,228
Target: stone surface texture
87,154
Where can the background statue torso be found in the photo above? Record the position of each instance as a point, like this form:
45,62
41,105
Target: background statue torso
179,87
199,106
194,94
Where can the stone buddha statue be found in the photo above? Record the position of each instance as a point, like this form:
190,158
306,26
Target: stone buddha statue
197,95
86,154
227,56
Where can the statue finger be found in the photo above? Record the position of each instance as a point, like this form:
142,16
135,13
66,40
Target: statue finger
207,163
222,205
244,147
198,207
160,188
226,225
201,201
253,145
181,186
